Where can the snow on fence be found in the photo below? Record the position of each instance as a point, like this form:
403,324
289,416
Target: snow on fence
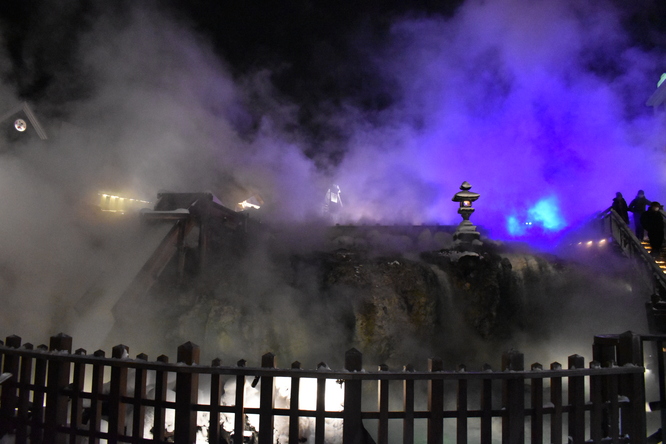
55,396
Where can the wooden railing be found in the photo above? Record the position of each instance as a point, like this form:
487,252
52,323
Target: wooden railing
56,396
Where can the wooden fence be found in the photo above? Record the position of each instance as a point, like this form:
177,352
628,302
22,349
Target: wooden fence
56,396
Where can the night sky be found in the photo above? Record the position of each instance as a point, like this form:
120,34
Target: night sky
540,106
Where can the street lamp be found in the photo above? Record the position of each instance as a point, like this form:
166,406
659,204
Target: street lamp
466,232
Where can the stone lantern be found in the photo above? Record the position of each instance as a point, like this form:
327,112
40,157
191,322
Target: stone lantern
466,232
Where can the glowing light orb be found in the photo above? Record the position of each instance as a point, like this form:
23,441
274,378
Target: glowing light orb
20,125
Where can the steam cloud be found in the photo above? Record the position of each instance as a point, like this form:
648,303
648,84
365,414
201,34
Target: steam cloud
528,101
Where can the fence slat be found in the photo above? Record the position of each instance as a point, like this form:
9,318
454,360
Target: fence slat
37,429
486,408
408,408
139,409
577,401
23,406
435,404
614,413
461,420
294,429
9,398
215,396
239,407
266,402
537,406
596,414
58,378
630,351
513,400
320,415
117,390
383,407
352,427
187,392
161,379
78,379
556,400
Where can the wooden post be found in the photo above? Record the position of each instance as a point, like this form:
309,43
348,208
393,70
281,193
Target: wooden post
513,399
577,401
408,407
435,403
139,410
187,392
352,431
597,427
58,379
117,391
23,407
630,351
161,378
239,406
461,420
556,400
383,407
266,402
215,396
487,407
77,402
294,430
37,429
537,406
37,420
320,413
8,398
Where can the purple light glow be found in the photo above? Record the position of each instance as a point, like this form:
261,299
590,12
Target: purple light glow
508,96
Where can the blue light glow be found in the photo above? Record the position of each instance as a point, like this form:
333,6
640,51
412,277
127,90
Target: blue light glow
546,213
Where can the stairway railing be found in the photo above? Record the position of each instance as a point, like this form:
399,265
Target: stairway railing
612,223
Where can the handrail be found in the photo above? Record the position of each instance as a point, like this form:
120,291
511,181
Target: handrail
630,244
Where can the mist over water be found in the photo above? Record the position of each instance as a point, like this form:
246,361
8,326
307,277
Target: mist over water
539,105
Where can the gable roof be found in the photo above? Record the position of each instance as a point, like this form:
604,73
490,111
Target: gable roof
32,118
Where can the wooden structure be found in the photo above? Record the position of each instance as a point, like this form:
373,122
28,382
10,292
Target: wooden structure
55,396
187,212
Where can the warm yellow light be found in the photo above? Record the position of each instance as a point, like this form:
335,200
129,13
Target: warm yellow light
589,243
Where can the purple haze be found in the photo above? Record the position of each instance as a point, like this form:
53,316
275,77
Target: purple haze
539,105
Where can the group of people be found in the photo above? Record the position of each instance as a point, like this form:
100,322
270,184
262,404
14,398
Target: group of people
647,218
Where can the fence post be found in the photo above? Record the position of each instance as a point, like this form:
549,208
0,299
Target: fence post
139,411
294,430
161,378
352,427
58,379
435,403
9,399
577,401
461,420
383,406
23,408
630,352
187,391
239,405
408,407
597,425
486,402
117,390
556,400
215,395
266,402
513,399
537,405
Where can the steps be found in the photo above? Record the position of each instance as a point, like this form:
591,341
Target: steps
661,259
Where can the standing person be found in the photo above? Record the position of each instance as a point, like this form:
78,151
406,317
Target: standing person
637,206
653,222
620,207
